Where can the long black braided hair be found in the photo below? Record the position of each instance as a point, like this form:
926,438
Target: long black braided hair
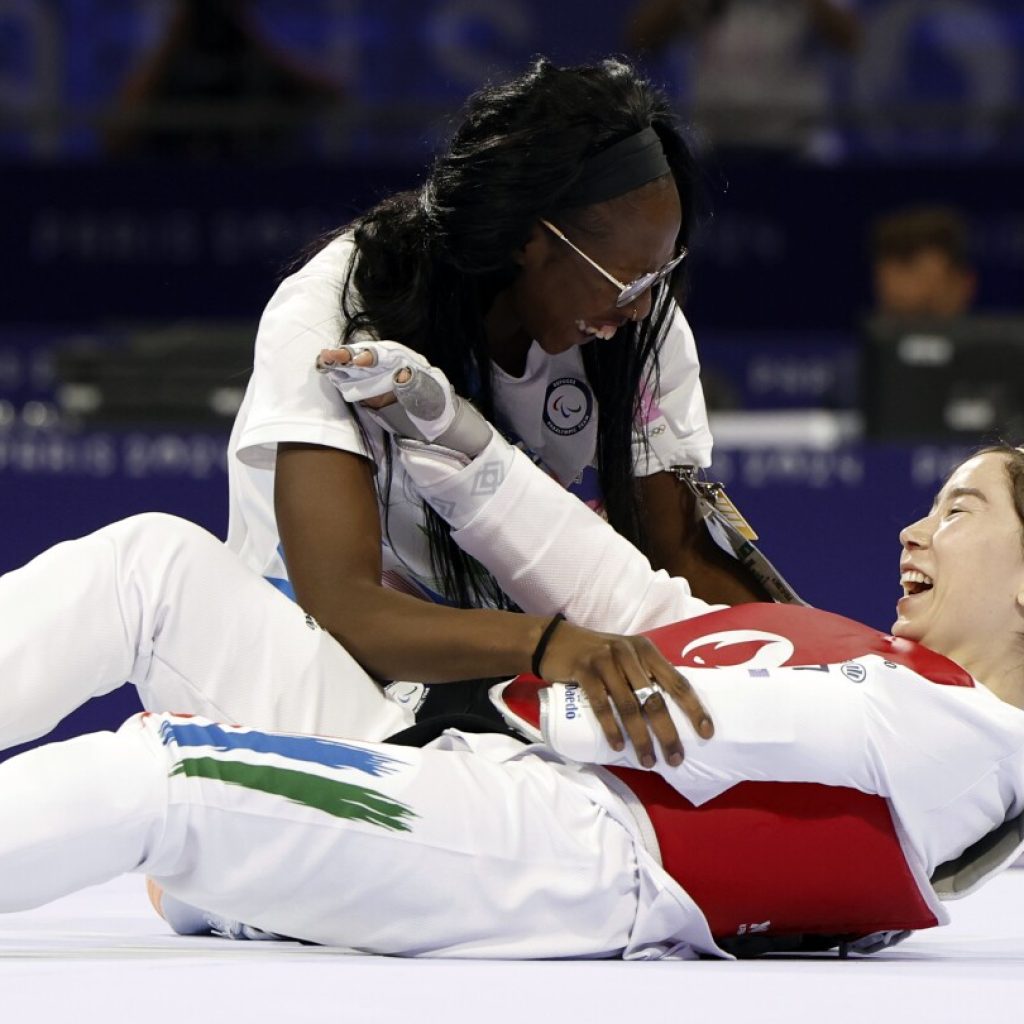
430,262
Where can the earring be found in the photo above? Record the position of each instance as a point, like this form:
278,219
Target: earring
636,313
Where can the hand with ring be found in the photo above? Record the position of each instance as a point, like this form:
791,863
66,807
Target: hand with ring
628,680
645,693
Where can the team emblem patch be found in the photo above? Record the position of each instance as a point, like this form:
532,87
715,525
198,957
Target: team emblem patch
854,671
568,406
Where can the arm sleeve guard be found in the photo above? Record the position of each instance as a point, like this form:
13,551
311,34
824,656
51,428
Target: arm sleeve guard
547,549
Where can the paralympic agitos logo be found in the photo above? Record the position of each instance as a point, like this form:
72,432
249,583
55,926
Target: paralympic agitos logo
568,406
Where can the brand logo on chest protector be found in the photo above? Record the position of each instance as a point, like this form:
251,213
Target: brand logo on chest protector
734,648
568,405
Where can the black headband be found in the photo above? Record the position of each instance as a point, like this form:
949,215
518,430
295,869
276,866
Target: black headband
622,167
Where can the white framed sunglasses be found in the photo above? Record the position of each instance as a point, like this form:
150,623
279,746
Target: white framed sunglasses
631,291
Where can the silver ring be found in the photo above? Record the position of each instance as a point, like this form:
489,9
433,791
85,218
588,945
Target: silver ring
645,693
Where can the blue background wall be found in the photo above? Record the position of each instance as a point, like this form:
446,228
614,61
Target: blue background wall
785,248
403,64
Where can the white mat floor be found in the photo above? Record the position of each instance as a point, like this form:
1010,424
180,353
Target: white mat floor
100,955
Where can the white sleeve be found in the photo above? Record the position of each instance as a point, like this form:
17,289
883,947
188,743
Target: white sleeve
549,551
948,758
676,417
778,725
287,400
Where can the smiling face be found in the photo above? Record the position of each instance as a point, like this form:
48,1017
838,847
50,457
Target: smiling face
962,567
561,300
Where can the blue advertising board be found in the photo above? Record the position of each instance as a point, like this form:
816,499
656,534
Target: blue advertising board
786,247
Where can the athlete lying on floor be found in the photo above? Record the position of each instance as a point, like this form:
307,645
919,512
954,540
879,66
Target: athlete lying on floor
478,845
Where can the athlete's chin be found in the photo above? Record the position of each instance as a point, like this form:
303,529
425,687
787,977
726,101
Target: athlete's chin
905,629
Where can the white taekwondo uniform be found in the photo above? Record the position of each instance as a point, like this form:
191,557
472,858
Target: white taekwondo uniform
473,846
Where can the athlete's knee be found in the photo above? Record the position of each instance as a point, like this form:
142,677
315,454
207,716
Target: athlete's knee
164,527
159,532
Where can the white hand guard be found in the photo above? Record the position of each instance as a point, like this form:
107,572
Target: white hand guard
358,383
427,408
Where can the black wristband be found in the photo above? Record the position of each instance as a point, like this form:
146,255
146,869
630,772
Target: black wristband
542,644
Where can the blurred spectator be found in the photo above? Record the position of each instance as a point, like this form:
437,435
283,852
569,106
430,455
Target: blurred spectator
760,66
215,89
921,264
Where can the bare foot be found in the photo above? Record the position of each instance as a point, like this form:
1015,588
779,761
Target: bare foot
156,896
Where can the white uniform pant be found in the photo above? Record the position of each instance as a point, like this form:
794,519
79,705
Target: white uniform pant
380,848
418,852
160,602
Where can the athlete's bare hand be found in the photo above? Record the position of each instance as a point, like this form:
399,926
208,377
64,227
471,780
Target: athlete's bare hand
610,669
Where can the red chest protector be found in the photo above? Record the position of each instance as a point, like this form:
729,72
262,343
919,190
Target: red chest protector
775,859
